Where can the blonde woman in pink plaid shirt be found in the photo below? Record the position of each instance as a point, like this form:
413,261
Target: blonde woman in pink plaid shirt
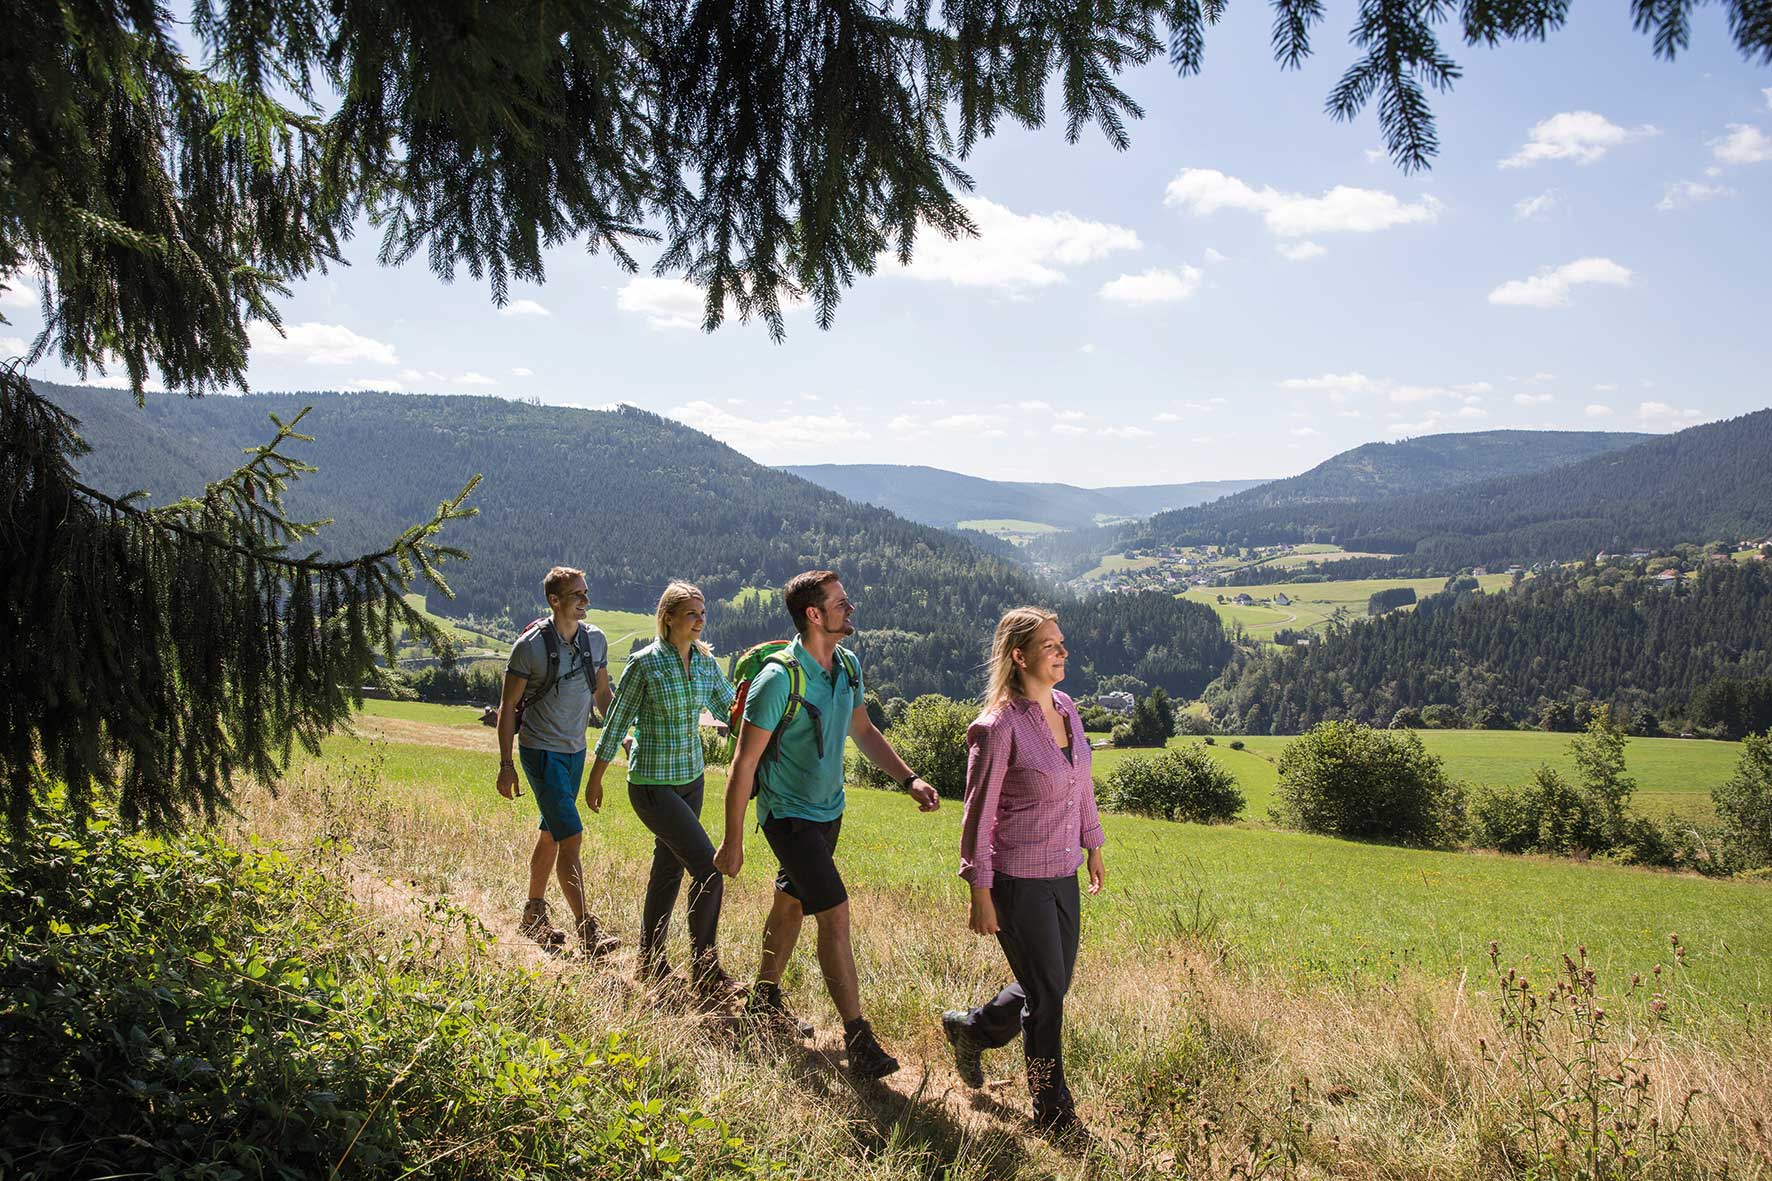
1030,824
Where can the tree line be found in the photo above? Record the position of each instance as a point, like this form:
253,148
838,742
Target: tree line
1526,656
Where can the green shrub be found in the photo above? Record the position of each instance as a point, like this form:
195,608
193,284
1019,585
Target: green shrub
716,748
1441,716
1237,744
192,1009
1744,805
1121,735
1551,814
1181,784
930,735
1211,741
1348,780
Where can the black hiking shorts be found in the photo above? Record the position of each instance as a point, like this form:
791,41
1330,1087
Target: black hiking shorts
807,852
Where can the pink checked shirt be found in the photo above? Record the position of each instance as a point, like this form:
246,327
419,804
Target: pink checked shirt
1030,812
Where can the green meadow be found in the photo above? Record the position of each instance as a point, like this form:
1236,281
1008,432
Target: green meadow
1308,909
1009,527
1674,775
1313,603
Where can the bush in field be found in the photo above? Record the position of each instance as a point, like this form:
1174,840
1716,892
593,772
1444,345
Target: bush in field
1547,814
1348,780
1181,784
930,735
1744,805
1441,716
189,1008
1153,720
716,748
1407,718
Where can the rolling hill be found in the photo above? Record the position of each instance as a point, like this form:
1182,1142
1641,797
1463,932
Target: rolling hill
636,500
943,498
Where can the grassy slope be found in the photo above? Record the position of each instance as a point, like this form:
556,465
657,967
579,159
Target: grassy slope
1313,602
1305,907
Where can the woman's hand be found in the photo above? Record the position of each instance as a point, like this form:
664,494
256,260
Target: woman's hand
1097,871
984,912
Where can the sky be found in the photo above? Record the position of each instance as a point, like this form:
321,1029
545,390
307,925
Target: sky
1249,289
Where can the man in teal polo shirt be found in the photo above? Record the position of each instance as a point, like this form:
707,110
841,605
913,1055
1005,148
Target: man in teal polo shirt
800,806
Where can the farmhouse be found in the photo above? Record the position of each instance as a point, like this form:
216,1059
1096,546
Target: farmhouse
1119,701
1281,600
1243,600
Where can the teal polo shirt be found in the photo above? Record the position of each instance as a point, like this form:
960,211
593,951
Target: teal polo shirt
795,781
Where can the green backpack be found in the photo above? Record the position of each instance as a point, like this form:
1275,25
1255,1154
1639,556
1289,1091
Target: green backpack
754,660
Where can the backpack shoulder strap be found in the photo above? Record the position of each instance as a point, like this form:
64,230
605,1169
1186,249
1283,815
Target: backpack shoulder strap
851,666
796,685
550,639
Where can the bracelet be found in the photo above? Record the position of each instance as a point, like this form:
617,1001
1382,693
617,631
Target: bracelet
507,763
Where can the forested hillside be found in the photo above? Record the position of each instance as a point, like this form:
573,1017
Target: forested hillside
1292,509
633,498
1503,657
1708,482
937,497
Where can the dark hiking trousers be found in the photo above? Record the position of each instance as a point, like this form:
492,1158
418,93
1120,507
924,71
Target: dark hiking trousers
1037,922
673,813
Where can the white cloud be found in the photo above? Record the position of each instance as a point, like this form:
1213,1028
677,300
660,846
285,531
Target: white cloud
1596,410
1582,136
1652,413
1218,401
1373,155
1768,93
1303,432
666,303
1472,412
929,401
1745,144
524,307
1549,288
1475,387
906,426
1167,416
473,378
1340,210
14,346
769,439
1065,428
1214,256
1153,286
965,422
1344,382
1014,253
1532,399
319,344
1069,415
1125,432
519,371
18,294
1299,251
1687,193
1535,378
1605,387
1538,208
1086,349
1406,394
412,375
1034,407
380,386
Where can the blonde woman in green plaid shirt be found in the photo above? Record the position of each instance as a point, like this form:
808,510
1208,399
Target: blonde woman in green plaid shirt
664,689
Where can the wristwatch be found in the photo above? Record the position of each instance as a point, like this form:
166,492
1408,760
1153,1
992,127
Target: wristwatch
905,783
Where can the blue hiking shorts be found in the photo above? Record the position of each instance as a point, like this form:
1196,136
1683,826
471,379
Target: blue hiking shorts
554,779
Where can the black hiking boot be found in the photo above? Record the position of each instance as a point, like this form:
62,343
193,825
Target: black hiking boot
867,1058
968,1056
654,971
594,944
710,981
770,1015
535,925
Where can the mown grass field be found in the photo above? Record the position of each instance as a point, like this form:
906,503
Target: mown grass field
1674,775
1114,564
1313,602
1010,528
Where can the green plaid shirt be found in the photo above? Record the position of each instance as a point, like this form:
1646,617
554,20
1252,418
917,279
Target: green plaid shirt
666,706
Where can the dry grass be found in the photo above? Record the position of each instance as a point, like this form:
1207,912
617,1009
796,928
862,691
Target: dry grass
1184,1063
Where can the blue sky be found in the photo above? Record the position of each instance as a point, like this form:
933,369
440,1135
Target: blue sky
1246,291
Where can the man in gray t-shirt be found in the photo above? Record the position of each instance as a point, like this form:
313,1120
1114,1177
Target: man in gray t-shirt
552,748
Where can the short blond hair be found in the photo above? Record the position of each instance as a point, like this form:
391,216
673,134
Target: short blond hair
558,577
675,595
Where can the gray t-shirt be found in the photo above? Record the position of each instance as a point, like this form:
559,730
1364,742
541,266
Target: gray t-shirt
557,720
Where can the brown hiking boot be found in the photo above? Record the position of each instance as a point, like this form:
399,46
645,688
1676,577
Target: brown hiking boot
535,925
710,981
592,942
770,1016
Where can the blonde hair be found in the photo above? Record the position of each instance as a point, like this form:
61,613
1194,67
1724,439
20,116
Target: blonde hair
675,595
1015,631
